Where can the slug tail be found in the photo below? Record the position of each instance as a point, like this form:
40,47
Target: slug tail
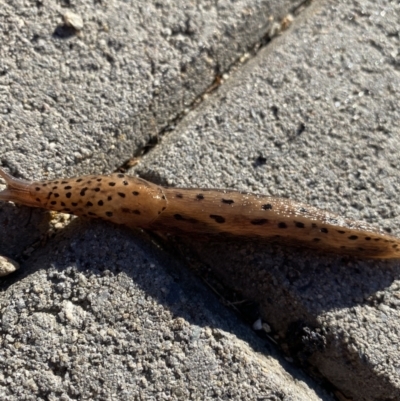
17,190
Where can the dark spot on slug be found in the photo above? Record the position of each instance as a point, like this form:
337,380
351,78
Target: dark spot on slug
136,193
163,208
180,196
82,193
74,204
121,194
89,203
267,206
353,237
313,225
53,203
282,225
68,195
109,197
200,197
394,246
64,182
120,176
299,224
377,239
367,238
178,217
49,195
111,184
44,185
125,182
96,189
78,180
316,239
38,200
99,179
88,182
341,232
63,204
100,203
56,195
163,197
228,201
259,222
127,210
37,189
324,230
55,182
54,188
218,219
68,187
109,214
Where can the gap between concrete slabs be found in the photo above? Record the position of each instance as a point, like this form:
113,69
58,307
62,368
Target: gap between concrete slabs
83,102
315,118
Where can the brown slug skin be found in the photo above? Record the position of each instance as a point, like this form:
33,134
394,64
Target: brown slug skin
137,203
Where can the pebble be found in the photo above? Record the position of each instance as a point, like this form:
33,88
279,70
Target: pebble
73,20
7,266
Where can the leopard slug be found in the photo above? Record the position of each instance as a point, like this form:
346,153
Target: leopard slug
135,202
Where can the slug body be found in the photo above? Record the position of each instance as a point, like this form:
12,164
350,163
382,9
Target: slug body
137,203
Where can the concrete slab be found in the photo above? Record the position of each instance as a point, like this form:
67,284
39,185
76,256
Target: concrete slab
101,313
315,118
87,100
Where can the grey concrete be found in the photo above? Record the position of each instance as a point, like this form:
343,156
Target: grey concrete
98,312
313,117
86,101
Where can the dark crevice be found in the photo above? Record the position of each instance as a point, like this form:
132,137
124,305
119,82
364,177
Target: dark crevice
274,31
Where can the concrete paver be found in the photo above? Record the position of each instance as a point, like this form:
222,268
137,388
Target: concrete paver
100,313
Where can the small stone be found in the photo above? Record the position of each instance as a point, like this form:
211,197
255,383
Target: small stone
7,266
257,325
73,20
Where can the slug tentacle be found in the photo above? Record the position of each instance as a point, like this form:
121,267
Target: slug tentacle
17,190
137,203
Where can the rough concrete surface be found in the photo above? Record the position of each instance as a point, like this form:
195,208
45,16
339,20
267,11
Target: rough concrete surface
88,100
314,117
98,312
110,316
